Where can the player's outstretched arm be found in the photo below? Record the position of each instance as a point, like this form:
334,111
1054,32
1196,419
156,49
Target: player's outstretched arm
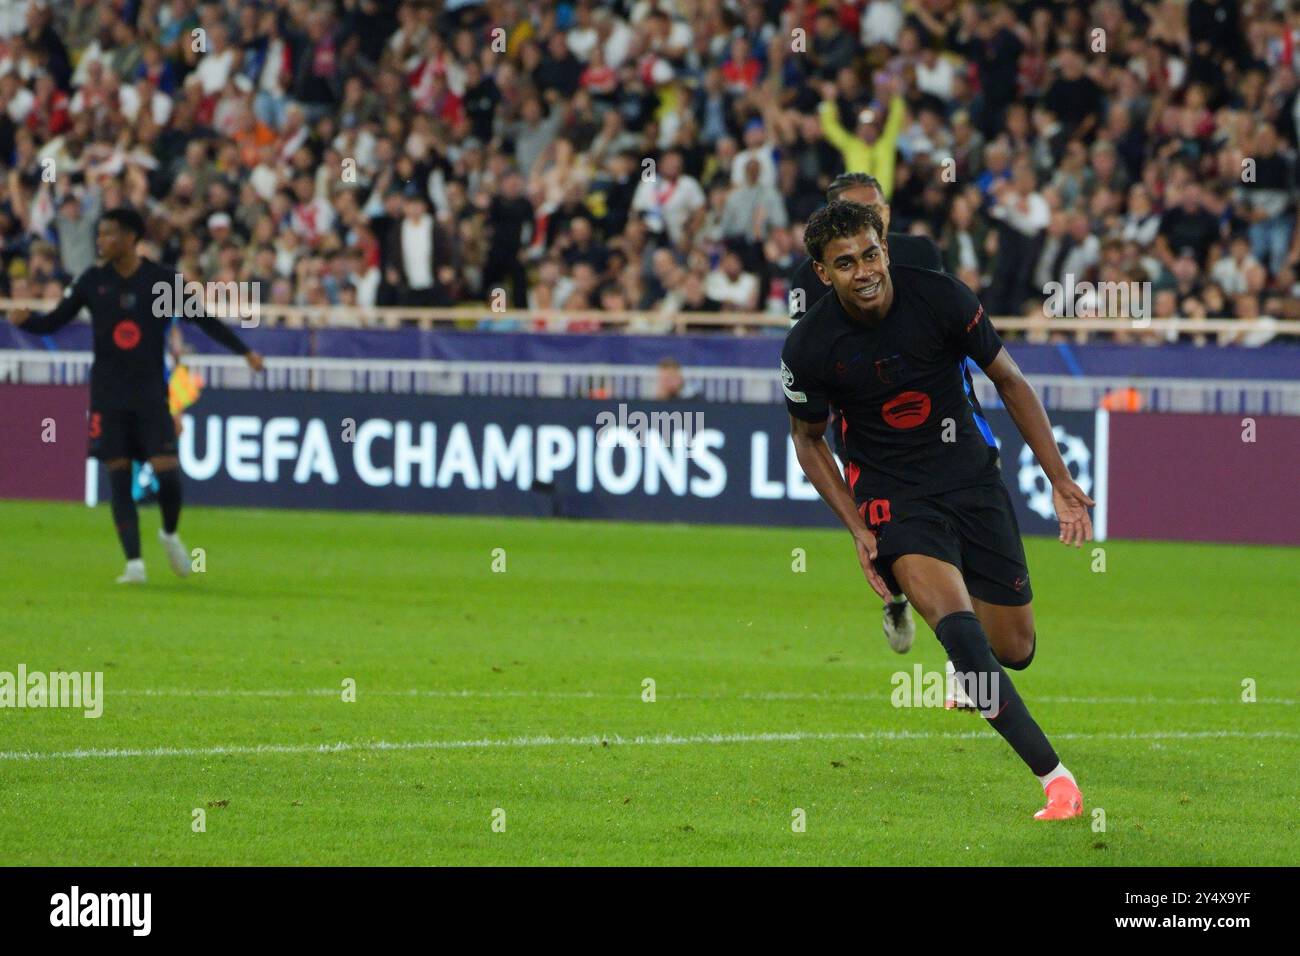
819,465
222,334
1031,420
43,323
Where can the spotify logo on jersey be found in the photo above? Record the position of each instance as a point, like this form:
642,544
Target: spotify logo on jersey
126,334
907,410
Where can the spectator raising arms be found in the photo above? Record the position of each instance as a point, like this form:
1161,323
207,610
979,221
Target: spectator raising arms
404,152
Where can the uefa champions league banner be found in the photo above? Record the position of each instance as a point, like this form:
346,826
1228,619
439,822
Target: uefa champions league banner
682,461
1155,476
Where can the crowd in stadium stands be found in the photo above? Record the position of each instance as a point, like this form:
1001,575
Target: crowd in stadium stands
657,155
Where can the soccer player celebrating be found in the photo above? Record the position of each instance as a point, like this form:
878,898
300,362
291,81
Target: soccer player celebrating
923,496
129,417
807,289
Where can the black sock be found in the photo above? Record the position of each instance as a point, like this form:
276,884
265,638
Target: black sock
124,516
991,689
169,498
1022,664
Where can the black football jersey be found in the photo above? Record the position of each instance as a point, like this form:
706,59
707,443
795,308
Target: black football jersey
908,415
130,339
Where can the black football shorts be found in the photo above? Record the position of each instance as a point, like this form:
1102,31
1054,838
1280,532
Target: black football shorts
138,434
973,528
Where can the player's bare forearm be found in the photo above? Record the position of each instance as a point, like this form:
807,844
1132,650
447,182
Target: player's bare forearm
1026,410
819,465
815,458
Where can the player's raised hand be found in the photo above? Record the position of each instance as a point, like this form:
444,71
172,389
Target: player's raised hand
866,542
254,360
1072,511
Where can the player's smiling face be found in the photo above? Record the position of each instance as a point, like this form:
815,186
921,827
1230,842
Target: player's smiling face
857,268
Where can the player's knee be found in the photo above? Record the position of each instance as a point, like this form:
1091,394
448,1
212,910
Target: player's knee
1021,654
117,464
161,463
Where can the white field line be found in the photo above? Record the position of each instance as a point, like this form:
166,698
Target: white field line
220,692
596,740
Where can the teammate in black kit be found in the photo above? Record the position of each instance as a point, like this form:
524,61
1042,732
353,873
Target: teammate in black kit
923,496
807,289
129,417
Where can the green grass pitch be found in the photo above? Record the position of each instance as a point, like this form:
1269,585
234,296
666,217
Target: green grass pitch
522,692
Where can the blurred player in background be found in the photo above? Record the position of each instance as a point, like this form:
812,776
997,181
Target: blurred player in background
129,414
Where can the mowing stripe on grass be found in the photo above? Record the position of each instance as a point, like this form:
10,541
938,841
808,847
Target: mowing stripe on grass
636,695
657,740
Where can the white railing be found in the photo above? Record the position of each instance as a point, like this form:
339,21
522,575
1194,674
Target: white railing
635,382
1036,328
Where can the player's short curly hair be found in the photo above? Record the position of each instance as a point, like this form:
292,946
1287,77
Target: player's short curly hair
125,218
839,220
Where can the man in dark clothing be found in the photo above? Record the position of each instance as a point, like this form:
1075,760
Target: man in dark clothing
316,77
807,288
481,99
132,306
923,497
560,70
995,49
1074,98
1187,225
509,216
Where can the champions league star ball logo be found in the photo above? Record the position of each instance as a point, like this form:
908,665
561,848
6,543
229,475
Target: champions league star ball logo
1033,480
787,379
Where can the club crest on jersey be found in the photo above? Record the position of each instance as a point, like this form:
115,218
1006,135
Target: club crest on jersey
906,410
890,369
126,334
